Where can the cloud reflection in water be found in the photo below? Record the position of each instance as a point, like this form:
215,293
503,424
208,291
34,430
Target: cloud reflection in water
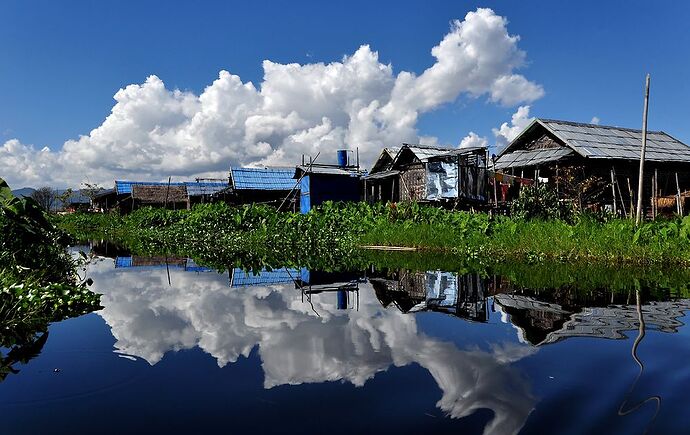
149,318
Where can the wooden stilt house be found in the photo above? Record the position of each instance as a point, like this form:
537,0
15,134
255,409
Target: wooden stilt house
599,164
454,176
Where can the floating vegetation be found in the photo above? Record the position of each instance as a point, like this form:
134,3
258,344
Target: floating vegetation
39,282
218,233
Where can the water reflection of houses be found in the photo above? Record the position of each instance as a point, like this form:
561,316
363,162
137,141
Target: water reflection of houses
540,317
184,263
463,296
554,316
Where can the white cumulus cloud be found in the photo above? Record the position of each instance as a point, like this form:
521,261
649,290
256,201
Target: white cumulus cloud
473,140
154,132
507,132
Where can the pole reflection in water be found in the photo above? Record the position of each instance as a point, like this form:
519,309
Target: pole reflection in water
622,411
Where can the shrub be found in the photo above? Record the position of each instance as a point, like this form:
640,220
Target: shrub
540,202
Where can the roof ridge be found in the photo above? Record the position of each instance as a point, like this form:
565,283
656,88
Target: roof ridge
586,124
265,168
433,147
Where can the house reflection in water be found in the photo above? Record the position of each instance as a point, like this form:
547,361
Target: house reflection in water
464,296
540,317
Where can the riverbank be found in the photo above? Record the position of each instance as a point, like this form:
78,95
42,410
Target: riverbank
336,231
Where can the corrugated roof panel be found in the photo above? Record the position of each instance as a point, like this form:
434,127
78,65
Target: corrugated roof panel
262,178
242,278
532,157
205,187
126,186
424,153
596,141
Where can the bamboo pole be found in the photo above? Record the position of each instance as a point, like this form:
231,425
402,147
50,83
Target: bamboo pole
638,218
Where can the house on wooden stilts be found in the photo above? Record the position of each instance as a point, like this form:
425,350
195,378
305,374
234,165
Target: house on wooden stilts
599,164
441,175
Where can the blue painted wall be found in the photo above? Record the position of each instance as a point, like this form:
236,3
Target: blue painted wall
318,188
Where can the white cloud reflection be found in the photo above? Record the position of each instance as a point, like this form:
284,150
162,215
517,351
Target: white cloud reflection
150,318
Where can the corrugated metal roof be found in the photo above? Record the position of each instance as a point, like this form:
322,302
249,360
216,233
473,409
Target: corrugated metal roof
605,142
385,159
102,193
194,188
262,178
423,152
205,187
384,174
242,278
461,151
531,158
126,186
330,170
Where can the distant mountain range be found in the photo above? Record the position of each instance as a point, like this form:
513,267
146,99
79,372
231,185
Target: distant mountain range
76,197
24,191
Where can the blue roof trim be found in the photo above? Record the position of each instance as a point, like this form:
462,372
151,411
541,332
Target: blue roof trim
262,178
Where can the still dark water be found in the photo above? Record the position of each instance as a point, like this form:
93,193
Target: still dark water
182,349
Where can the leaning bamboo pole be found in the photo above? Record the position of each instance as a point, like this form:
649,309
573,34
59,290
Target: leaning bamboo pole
640,182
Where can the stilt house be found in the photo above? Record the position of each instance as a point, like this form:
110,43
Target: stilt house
429,174
602,158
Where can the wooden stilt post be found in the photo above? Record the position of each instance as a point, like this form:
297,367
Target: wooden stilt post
654,194
620,195
679,202
632,201
613,191
493,161
640,182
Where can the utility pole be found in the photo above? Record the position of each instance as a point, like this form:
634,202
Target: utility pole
638,217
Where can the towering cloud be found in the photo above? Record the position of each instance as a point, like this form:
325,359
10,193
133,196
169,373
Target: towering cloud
153,132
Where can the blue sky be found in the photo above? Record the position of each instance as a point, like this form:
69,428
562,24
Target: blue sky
62,62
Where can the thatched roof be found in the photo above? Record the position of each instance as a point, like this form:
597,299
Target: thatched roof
157,194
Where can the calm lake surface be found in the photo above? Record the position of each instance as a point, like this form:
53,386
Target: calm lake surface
179,348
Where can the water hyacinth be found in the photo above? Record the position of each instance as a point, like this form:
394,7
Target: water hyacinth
219,234
39,283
